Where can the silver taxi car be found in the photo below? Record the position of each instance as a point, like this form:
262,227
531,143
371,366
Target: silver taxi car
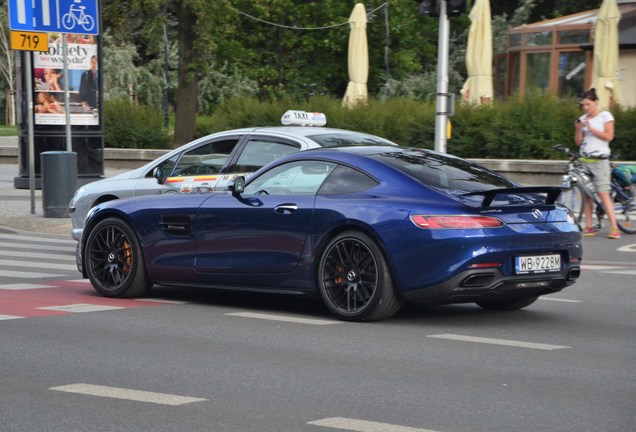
209,163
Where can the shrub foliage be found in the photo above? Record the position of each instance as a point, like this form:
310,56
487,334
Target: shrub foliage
130,125
512,129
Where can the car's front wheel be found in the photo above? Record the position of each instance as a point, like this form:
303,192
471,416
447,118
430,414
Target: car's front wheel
508,305
354,279
114,261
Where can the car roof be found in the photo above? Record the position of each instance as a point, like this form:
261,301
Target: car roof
297,131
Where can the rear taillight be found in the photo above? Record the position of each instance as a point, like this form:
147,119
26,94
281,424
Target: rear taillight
456,222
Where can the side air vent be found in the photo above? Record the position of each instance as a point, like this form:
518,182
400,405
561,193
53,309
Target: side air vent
176,225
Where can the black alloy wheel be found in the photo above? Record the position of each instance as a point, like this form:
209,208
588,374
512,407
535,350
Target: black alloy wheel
114,261
354,279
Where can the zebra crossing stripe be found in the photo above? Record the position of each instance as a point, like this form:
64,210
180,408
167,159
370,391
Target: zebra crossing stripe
39,265
26,274
9,317
24,286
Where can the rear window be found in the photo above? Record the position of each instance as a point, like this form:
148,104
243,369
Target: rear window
444,171
339,139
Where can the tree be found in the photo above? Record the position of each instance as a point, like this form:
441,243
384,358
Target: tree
7,65
200,26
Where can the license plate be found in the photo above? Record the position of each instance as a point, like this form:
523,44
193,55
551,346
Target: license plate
537,264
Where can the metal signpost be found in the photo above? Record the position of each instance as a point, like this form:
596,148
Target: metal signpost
441,118
48,16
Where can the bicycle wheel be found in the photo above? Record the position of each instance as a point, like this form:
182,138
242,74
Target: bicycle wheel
573,199
68,21
625,209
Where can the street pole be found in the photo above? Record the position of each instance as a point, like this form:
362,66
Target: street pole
67,101
441,117
30,139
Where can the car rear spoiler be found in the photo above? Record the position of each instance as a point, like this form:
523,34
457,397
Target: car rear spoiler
552,193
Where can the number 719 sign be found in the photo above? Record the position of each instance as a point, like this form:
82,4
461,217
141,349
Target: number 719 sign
29,41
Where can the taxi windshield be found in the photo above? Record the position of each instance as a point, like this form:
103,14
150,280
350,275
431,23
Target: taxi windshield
347,139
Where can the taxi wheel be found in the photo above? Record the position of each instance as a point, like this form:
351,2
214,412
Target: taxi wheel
354,279
508,305
114,261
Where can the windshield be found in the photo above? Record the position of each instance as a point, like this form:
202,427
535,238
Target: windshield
444,171
344,138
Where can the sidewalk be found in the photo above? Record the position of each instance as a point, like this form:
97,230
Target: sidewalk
15,208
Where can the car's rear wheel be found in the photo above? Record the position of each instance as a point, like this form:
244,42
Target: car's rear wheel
508,305
114,261
354,279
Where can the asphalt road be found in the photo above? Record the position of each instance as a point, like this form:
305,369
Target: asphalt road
195,360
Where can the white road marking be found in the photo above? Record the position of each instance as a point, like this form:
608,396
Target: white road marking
158,300
39,265
363,425
37,246
627,272
56,240
506,342
24,286
283,318
35,255
627,248
127,394
9,317
85,281
81,307
600,267
559,300
25,274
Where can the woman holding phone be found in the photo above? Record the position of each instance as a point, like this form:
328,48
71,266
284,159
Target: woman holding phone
593,133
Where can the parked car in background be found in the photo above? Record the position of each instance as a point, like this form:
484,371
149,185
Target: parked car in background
209,163
366,228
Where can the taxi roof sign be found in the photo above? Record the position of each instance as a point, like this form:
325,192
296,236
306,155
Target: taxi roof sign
302,118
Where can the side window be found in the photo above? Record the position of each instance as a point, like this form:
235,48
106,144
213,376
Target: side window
345,180
206,159
164,168
258,153
294,178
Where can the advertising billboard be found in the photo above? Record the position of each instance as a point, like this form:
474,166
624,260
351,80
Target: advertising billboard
83,78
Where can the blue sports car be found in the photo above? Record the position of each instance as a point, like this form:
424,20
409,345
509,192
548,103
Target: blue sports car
365,228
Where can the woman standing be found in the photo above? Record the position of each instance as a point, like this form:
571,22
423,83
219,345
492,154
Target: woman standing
594,131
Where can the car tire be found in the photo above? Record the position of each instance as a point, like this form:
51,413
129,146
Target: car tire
354,279
114,260
508,305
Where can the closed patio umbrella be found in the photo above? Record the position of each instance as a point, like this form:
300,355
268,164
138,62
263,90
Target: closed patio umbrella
606,54
478,87
358,58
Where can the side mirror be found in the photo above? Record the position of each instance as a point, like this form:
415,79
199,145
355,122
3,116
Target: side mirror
158,174
237,186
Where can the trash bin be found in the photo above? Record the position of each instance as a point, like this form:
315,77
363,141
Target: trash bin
59,181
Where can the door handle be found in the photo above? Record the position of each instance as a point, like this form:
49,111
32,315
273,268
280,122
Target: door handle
286,208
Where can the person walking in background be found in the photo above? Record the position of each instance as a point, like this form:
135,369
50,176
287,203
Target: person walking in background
593,133
88,86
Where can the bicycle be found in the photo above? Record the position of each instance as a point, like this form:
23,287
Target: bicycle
578,180
77,16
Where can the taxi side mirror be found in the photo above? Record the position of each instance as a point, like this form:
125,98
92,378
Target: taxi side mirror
158,174
237,186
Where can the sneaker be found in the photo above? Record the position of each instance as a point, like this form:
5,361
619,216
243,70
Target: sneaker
589,232
614,234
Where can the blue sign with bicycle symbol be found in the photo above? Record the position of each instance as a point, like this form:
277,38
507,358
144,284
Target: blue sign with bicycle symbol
64,16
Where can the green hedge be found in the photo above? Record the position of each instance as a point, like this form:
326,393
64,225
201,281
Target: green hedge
513,129
129,125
